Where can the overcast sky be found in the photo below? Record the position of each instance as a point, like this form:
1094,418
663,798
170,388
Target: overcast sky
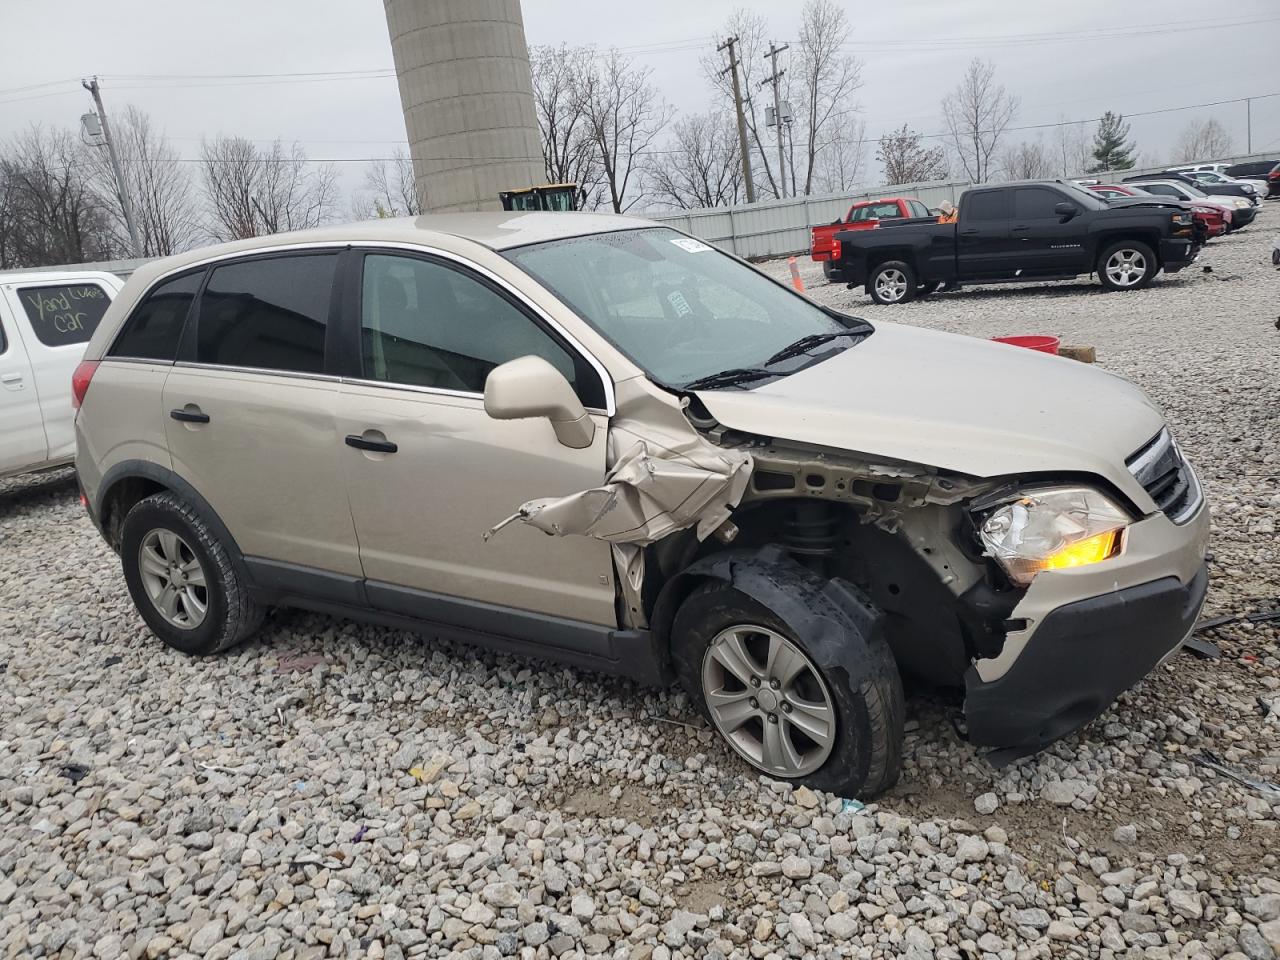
914,52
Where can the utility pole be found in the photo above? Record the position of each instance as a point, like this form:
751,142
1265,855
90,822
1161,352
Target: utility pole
731,46
772,57
125,205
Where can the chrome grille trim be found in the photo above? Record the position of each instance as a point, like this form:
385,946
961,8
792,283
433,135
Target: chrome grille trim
1168,478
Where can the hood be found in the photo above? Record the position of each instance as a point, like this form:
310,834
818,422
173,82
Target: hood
954,402
1149,202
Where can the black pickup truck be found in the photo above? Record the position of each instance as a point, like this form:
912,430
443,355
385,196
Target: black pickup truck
1021,232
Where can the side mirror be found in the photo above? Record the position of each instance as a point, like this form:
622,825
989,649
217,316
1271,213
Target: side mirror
1065,209
530,387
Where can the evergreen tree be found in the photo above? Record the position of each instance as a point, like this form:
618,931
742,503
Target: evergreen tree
1110,149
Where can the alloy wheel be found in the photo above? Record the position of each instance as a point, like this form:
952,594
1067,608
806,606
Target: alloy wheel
891,285
173,578
768,700
1126,267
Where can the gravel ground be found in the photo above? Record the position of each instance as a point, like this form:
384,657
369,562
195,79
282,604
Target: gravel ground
333,789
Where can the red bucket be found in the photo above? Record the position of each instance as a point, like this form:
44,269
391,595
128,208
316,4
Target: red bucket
1042,343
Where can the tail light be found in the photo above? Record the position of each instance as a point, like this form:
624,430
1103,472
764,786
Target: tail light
835,250
80,381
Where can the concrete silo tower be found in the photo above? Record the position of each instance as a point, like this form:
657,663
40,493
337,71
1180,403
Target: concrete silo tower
463,69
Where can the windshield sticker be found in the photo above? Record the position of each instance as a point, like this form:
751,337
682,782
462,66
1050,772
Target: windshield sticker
679,304
690,245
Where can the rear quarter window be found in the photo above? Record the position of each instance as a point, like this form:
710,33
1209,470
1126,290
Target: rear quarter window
65,314
154,329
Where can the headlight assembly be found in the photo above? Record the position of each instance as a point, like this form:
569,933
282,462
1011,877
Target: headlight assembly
1053,529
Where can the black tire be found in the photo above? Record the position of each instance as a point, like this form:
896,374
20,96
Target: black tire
1134,249
1275,257
866,758
230,615
928,287
905,288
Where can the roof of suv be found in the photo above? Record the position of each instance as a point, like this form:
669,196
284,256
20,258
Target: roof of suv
498,231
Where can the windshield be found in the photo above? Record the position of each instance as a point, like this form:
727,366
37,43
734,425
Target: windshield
677,307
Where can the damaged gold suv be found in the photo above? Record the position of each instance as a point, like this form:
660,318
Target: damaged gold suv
705,478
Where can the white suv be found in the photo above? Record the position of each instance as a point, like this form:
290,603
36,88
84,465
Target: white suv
596,439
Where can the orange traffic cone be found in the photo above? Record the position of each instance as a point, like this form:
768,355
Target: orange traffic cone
795,274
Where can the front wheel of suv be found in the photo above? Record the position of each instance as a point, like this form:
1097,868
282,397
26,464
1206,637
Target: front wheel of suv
838,730
182,580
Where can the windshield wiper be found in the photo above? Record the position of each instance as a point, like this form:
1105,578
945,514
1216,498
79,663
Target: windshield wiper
805,344
728,378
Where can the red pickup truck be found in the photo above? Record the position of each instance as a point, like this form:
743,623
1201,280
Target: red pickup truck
865,215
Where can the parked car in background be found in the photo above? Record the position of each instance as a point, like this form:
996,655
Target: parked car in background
1013,233
1211,220
1260,187
1243,211
1244,190
782,507
46,318
1268,170
864,215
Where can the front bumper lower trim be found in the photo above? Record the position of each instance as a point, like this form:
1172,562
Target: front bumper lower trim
1083,656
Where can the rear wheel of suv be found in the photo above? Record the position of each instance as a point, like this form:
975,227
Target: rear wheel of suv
1126,265
893,281
836,730
182,580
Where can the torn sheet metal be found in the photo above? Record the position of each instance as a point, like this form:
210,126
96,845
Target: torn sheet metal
659,482
648,494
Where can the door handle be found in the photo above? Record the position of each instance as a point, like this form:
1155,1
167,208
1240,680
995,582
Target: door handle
184,415
377,446
11,378
1021,228
968,232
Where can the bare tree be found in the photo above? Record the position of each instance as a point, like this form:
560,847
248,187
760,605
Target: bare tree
252,193
842,158
569,151
390,190
1070,149
907,160
159,187
750,28
1202,140
829,78
49,212
702,165
977,114
1028,160
624,115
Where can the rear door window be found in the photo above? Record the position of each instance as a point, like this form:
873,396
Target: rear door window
65,314
917,209
992,205
154,329
1035,203
269,313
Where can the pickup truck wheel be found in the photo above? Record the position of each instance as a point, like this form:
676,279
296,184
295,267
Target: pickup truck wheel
892,282
1126,265
836,730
